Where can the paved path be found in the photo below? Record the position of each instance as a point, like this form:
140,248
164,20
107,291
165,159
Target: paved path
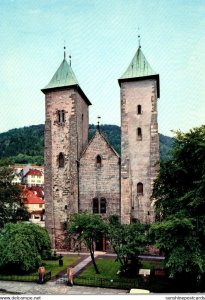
52,288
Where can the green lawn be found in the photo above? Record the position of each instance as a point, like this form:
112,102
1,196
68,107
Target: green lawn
108,268
53,265
50,266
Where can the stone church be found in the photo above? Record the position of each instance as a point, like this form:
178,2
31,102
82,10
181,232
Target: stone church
82,175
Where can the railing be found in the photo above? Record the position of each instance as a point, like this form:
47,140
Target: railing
25,278
116,283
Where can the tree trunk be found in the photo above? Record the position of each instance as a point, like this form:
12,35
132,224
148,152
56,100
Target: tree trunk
93,259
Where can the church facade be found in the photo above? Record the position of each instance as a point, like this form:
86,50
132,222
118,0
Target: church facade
82,175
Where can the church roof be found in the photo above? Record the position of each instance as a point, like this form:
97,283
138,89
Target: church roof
65,77
139,69
98,132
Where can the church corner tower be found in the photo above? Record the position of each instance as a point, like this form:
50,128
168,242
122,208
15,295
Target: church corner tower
139,139
66,135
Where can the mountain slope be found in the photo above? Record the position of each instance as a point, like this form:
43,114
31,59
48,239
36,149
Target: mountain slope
25,145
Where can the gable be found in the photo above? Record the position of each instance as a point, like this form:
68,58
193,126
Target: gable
99,146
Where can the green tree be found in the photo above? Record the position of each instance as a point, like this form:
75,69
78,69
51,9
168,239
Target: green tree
128,241
22,247
9,195
180,204
88,229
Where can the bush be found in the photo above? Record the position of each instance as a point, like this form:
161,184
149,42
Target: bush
22,247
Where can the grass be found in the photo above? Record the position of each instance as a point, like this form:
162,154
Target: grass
109,267
50,266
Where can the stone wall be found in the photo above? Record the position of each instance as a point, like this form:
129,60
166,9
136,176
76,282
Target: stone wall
61,183
101,181
139,154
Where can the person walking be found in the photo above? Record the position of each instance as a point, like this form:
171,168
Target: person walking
41,274
70,275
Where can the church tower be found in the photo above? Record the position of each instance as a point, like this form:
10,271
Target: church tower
66,134
139,87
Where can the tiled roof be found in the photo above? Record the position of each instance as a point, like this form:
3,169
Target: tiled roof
37,190
30,198
34,172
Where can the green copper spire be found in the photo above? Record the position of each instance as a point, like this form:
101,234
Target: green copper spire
139,67
64,76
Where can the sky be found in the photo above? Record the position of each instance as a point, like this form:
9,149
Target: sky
102,38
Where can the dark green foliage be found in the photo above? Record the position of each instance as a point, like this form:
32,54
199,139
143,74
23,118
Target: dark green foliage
87,228
180,206
128,241
9,196
22,247
25,145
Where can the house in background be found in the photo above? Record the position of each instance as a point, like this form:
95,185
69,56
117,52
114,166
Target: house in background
34,205
33,178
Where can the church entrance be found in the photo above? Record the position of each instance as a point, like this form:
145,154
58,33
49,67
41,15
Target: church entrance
100,245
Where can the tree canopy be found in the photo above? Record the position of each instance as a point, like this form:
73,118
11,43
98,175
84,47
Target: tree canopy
9,196
22,247
128,241
88,229
180,204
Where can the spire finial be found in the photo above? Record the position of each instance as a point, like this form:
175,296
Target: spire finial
98,123
64,50
139,38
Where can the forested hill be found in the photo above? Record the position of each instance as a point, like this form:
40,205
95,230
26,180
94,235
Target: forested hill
25,145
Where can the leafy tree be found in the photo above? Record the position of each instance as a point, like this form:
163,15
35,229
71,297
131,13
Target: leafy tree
22,247
9,195
180,210
87,228
128,241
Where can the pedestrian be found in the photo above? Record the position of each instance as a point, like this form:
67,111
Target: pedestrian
70,275
41,273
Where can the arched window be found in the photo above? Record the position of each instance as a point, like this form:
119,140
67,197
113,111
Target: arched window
139,109
98,161
103,206
95,206
139,133
139,188
61,116
61,160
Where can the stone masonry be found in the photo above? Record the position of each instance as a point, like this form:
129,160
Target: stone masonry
82,176
100,181
68,138
140,154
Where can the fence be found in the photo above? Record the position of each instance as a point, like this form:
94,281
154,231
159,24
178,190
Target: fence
25,278
115,283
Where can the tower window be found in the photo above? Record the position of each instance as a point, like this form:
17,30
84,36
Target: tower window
139,109
95,206
61,160
98,161
139,188
102,205
61,116
139,133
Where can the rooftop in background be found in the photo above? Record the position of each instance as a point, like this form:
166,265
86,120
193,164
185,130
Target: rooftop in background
29,197
34,172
